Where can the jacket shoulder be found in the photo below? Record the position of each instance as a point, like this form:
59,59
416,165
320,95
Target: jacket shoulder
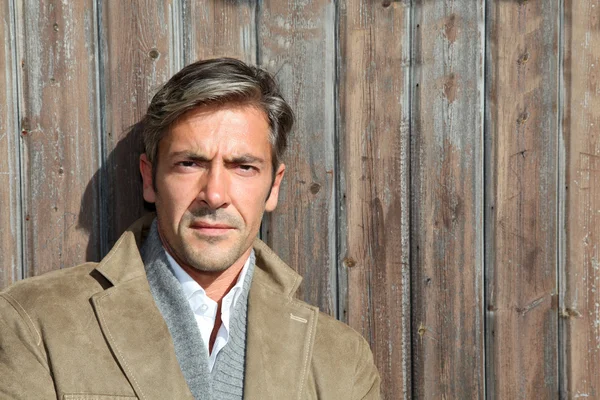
54,288
343,356
336,334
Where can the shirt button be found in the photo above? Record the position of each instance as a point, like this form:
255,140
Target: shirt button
203,307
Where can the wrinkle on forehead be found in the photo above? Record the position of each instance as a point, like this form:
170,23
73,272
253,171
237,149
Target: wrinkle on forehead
232,132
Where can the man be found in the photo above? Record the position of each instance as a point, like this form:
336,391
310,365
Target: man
189,304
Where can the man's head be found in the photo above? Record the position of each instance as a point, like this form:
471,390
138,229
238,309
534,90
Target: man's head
214,136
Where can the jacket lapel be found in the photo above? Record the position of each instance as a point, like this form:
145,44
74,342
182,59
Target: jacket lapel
132,324
280,332
140,340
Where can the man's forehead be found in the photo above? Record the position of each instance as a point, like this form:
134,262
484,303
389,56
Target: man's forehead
239,131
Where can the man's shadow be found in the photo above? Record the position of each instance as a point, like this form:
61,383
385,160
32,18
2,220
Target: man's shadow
113,198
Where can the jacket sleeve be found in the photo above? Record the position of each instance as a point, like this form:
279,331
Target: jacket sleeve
24,371
366,381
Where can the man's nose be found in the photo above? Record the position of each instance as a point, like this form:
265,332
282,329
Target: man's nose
215,189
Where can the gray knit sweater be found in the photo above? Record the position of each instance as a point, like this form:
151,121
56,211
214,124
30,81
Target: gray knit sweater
227,378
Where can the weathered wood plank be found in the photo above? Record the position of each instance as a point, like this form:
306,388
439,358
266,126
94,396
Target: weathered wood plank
10,198
219,29
138,56
59,134
581,308
447,185
374,167
296,41
521,209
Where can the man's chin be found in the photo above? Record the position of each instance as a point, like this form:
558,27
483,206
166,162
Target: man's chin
211,266
200,239
209,258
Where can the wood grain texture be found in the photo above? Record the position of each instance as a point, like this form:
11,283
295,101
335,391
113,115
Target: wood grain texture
374,167
138,56
521,278
581,309
447,185
59,134
10,194
296,42
213,28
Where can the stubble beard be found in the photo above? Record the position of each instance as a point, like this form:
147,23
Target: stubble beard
207,253
212,257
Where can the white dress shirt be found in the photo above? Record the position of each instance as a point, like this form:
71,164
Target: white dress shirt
205,308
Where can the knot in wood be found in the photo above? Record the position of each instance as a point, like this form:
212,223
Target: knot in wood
315,188
523,59
523,117
349,262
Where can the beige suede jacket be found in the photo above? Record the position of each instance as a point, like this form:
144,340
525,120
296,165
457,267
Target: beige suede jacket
94,332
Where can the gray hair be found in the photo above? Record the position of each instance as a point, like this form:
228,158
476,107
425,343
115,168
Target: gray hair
220,81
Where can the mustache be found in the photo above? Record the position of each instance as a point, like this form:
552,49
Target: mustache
214,216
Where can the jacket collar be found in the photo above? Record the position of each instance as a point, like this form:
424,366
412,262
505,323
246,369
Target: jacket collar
273,272
124,261
280,333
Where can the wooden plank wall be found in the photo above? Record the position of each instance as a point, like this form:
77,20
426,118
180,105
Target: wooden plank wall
296,42
447,187
58,133
11,236
373,194
580,234
522,220
440,195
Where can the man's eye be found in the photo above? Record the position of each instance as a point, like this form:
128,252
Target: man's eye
186,163
247,170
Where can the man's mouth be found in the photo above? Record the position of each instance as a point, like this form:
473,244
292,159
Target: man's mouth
211,229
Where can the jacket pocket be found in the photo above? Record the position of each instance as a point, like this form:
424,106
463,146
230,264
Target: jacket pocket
87,396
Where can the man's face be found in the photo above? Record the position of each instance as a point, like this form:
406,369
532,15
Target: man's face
213,178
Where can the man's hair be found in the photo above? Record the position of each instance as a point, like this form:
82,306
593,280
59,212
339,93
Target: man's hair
217,82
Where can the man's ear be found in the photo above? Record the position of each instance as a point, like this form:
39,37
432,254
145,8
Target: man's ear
274,196
146,171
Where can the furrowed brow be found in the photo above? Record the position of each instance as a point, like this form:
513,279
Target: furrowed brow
190,156
246,159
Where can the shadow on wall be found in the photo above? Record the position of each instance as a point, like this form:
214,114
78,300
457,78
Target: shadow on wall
113,199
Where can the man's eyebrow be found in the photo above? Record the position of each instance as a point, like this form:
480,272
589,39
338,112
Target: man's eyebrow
189,155
246,159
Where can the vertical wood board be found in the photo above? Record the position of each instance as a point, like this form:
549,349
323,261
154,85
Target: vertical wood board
581,309
10,195
521,267
59,138
296,43
137,58
447,185
373,141
219,29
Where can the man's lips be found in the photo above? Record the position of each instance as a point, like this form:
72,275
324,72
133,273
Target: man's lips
211,229
211,226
